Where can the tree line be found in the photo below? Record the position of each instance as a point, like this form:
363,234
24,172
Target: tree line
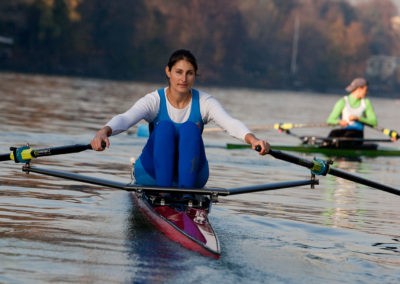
313,44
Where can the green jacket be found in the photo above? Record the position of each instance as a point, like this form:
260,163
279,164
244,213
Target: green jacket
368,117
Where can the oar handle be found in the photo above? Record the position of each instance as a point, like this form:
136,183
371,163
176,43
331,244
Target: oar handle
289,158
317,166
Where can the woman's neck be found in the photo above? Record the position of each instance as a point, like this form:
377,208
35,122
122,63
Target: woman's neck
178,100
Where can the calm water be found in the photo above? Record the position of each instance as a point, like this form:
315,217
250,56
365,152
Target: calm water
54,230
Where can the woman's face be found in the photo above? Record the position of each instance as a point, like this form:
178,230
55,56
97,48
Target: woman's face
362,92
181,76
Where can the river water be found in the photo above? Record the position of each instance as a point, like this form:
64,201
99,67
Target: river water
54,230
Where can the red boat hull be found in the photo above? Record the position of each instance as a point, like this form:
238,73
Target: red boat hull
190,228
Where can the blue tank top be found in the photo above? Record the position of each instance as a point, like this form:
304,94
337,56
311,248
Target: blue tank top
195,115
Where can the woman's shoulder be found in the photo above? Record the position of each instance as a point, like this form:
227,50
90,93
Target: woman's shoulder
342,100
153,93
367,100
203,96
150,101
152,96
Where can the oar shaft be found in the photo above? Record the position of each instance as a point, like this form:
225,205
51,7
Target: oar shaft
283,125
318,166
5,157
291,159
367,182
61,150
391,133
286,126
25,153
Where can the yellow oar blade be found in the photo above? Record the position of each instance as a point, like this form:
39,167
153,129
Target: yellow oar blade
283,126
391,133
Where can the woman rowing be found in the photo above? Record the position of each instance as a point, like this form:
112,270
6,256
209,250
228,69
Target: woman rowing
174,154
352,112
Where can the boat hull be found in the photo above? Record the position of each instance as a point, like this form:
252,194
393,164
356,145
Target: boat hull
185,225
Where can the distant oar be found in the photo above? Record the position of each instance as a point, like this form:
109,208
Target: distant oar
25,154
283,125
333,140
391,133
286,126
320,167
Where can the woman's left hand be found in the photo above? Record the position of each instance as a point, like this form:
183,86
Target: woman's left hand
254,142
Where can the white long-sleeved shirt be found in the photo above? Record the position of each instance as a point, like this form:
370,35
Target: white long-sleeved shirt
148,106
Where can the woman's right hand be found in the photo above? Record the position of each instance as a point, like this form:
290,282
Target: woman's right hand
343,123
101,135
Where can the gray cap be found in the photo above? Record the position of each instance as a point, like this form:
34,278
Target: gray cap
356,83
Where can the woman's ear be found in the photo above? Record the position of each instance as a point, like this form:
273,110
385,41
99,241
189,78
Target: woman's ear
167,72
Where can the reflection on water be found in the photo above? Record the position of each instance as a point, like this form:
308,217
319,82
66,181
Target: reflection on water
342,196
54,230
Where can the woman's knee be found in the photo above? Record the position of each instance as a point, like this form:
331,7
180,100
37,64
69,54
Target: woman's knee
202,176
189,129
164,134
165,126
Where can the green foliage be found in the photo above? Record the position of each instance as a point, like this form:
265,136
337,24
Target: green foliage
246,43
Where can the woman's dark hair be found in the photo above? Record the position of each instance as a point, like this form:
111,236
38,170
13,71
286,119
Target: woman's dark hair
182,54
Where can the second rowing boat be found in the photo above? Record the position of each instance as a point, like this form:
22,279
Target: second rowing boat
355,152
